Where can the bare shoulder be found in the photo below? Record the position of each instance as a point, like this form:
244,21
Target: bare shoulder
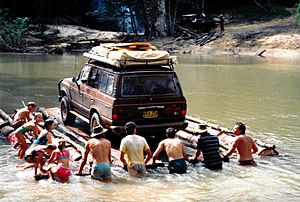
250,138
106,141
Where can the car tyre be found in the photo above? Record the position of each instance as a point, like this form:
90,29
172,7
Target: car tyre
66,116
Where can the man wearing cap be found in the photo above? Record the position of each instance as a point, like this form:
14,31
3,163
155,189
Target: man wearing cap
244,144
100,149
134,146
209,145
23,115
174,149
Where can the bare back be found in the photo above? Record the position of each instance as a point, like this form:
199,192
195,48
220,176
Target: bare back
173,148
245,146
100,150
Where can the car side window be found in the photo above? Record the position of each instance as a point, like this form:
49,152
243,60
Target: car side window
94,77
106,83
110,85
84,75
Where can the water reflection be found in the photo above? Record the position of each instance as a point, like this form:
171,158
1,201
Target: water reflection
262,92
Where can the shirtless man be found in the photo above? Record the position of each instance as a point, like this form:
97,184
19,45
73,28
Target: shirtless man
23,115
175,152
100,149
134,146
244,144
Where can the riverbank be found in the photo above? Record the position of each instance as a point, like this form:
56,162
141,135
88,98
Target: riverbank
276,38
272,38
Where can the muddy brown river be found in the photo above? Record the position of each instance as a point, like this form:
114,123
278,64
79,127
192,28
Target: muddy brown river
262,92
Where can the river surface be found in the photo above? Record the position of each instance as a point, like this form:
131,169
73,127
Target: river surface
262,92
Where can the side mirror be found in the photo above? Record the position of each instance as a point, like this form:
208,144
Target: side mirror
75,80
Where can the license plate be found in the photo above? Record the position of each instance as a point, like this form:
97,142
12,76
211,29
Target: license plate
150,114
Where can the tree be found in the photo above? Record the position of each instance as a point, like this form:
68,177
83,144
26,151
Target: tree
298,13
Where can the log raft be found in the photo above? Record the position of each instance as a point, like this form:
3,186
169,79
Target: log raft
226,138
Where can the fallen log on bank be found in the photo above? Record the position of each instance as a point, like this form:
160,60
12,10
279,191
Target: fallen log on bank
199,38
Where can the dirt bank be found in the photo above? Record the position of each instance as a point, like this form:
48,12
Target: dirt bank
277,38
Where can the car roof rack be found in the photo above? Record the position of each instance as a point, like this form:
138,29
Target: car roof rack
126,55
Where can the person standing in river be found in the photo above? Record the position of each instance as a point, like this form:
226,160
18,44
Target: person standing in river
244,144
100,149
209,145
174,149
134,146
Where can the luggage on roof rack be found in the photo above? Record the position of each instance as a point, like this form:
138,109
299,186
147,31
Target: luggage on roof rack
130,54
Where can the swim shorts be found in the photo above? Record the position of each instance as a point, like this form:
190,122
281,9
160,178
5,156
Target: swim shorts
137,170
101,171
250,162
177,166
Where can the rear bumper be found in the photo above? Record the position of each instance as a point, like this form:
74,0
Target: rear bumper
151,129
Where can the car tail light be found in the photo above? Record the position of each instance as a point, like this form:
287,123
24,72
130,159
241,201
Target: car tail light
183,112
115,117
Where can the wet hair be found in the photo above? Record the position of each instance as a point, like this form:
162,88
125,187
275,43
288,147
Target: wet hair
61,145
37,114
48,123
51,147
129,127
170,132
241,127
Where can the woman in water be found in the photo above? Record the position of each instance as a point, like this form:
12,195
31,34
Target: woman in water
26,128
46,135
61,156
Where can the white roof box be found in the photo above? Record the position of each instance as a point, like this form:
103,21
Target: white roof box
130,54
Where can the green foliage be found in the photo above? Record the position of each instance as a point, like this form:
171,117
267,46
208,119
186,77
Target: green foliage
298,13
267,12
12,30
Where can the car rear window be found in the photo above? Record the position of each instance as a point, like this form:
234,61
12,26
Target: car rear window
148,85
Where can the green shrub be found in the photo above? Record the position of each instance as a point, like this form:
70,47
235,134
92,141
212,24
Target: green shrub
298,13
12,30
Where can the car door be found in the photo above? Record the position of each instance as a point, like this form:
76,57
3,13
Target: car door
105,96
90,89
76,93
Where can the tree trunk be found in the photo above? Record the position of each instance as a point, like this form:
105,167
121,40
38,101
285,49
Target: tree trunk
145,18
160,24
171,13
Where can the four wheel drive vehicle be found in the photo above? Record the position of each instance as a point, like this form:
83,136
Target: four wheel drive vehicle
125,82
200,23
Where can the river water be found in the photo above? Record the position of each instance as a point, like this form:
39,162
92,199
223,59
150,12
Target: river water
262,92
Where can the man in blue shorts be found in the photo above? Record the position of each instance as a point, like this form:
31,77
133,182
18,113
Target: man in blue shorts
174,149
100,149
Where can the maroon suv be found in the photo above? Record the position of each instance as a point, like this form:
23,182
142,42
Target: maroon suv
149,95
